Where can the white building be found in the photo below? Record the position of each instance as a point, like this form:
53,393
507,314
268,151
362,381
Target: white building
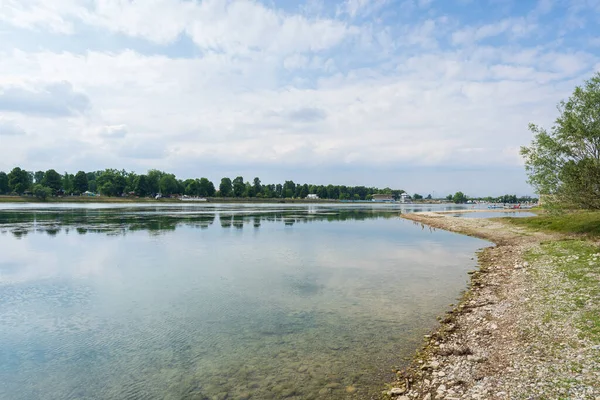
405,198
312,196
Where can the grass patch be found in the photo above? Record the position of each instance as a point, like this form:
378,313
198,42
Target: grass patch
585,222
577,295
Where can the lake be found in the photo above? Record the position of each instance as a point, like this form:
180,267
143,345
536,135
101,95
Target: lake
218,301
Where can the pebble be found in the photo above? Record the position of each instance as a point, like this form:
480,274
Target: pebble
441,373
396,391
350,389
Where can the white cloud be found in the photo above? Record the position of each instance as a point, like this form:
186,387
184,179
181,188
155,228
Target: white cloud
514,27
52,99
113,131
362,8
230,26
10,128
34,15
272,88
296,61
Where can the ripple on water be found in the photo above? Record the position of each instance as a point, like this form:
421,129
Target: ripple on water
282,310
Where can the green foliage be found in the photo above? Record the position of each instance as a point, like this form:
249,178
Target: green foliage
19,180
41,192
417,196
565,162
289,190
168,185
111,182
449,197
257,186
4,188
141,186
225,188
428,197
583,222
92,186
238,186
154,176
38,176
459,198
68,183
80,182
52,180
207,188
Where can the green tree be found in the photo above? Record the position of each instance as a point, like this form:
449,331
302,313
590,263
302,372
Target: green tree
4,188
154,176
192,187
225,188
41,192
257,186
417,196
449,197
141,186
289,189
168,184
38,176
428,197
248,190
19,180
206,187
92,186
459,198
68,182
80,182
238,186
304,191
111,182
565,161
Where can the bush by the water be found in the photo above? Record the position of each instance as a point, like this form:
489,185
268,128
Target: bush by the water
41,192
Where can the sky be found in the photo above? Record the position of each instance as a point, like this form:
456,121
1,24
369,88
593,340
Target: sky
429,96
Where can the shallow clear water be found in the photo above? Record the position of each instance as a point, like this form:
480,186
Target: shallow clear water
217,302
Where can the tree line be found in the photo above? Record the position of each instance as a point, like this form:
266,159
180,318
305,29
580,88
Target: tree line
460,197
118,183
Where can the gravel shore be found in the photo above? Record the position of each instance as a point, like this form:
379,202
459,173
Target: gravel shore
527,328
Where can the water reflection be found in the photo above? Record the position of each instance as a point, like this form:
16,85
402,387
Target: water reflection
119,221
295,303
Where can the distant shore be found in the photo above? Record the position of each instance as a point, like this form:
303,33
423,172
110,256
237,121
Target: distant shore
527,327
106,199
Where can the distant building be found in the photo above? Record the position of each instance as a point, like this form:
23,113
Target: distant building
312,196
405,198
383,197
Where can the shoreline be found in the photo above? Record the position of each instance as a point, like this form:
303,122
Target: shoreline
490,345
132,200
